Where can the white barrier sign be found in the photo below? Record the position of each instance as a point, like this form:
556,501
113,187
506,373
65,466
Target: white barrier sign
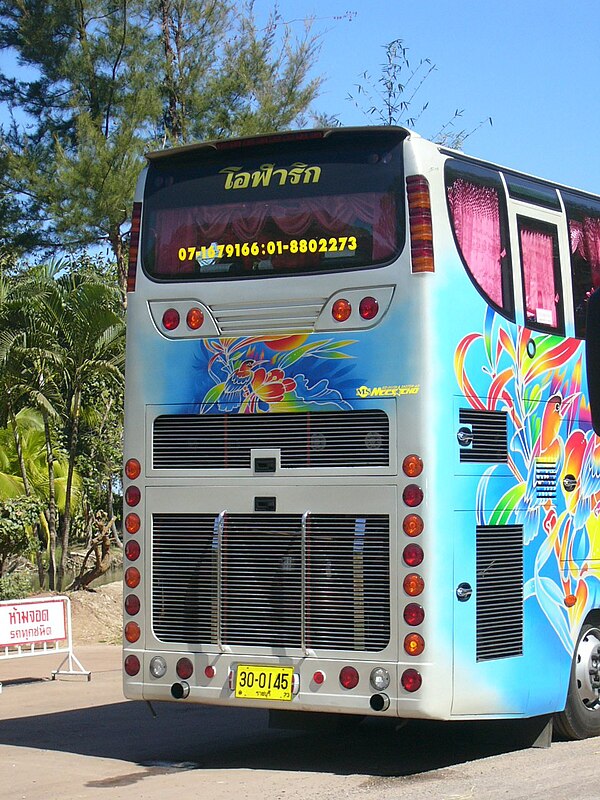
33,621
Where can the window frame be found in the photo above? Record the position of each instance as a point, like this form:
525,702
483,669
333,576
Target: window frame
528,222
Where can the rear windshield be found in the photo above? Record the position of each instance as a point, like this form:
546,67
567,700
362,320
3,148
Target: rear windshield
289,207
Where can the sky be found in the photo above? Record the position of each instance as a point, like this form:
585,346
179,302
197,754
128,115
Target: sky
533,66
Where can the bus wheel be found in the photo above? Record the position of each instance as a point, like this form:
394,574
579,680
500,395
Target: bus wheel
581,717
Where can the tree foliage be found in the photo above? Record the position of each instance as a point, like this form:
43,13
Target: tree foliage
107,79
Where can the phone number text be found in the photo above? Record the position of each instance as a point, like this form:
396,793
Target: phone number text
335,244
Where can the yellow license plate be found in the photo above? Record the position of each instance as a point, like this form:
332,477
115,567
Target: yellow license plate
264,683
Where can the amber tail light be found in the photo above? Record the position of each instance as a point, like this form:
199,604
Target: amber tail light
419,220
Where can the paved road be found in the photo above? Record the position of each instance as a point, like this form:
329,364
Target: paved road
72,739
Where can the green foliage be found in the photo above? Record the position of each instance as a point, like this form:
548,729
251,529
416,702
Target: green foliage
18,516
15,586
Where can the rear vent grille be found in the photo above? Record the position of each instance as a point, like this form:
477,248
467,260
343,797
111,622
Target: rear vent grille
484,437
298,315
272,580
546,479
499,591
318,439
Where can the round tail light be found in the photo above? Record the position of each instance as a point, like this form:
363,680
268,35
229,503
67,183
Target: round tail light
170,319
132,550
341,310
184,668
412,555
414,644
412,525
132,523
368,308
132,632
132,605
132,665
412,495
132,495
132,577
348,677
413,584
412,466
411,680
414,614
194,319
133,469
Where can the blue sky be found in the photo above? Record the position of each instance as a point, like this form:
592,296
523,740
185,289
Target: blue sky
532,66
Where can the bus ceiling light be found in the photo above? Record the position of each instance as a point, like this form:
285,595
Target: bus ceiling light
158,667
348,677
419,220
170,319
134,243
412,466
412,495
194,319
133,469
341,310
380,679
368,308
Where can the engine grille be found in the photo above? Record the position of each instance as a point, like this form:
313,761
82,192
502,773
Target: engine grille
273,580
487,438
499,591
317,439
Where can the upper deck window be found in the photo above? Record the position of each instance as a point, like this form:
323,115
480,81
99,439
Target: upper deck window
289,207
583,215
531,191
477,208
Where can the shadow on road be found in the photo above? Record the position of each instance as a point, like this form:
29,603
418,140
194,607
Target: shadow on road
202,737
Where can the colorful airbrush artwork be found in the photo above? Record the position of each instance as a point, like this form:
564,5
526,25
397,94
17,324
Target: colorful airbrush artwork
256,374
537,379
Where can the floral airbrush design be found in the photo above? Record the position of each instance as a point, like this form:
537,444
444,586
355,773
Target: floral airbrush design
537,379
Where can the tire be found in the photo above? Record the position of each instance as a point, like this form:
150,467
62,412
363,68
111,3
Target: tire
581,717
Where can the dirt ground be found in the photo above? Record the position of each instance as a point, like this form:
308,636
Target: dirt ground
97,616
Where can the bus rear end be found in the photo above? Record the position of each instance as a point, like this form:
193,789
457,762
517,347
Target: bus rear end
275,446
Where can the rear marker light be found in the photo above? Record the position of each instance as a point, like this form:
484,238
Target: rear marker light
132,550
412,466
413,584
414,644
194,319
414,614
132,605
412,525
210,672
132,523
184,668
412,495
132,665
132,495
132,632
318,677
341,310
368,308
348,677
132,577
413,555
411,680
170,319
133,469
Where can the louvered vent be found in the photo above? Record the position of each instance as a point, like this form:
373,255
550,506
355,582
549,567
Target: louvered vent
499,591
484,437
546,479
273,580
299,315
318,439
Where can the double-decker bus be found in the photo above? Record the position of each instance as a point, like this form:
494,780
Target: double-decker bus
361,472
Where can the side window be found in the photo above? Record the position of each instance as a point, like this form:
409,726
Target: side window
540,267
583,215
477,211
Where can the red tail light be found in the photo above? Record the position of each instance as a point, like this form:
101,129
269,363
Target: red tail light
194,319
414,614
412,555
419,218
132,665
132,632
412,495
133,469
132,550
170,319
341,310
348,677
368,308
412,525
134,243
132,577
132,523
411,680
184,668
132,605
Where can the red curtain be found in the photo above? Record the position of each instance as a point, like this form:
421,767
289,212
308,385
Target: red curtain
585,241
475,214
244,222
537,249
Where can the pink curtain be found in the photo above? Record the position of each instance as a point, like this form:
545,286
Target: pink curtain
585,241
245,222
537,250
476,219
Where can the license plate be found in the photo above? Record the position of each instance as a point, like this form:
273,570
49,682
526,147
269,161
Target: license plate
263,683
